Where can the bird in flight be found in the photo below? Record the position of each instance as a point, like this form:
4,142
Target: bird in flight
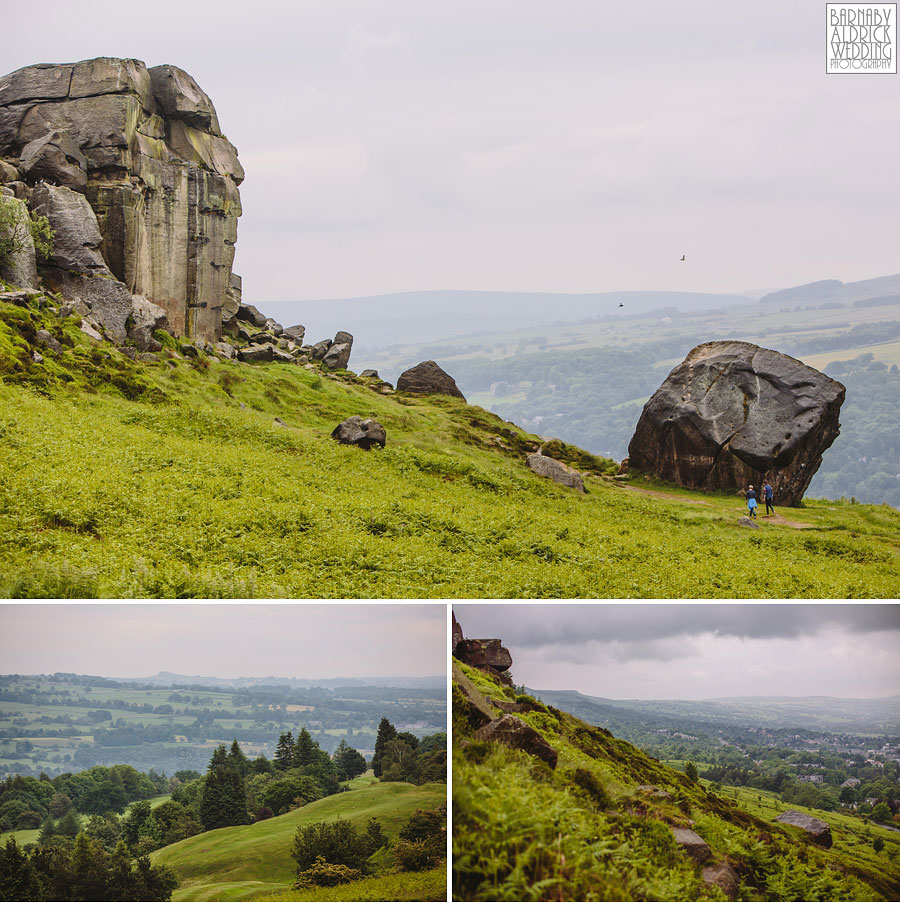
682,258
621,305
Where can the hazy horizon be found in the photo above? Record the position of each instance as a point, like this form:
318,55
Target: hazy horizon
677,651
308,640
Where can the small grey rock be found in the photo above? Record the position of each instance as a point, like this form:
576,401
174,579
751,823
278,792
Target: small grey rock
364,433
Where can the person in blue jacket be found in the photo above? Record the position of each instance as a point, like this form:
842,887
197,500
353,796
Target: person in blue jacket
750,495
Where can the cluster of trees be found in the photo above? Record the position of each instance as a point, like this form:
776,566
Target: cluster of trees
337,852
402,757
879,787
26,802
81,870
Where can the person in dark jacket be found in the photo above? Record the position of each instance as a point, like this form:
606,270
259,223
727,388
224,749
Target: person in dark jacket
768,497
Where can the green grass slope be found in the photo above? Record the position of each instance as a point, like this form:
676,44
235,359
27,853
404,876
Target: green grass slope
588,831
172,479
239,863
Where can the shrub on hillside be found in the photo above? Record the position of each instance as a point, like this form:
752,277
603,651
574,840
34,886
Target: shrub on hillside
324,874
337,843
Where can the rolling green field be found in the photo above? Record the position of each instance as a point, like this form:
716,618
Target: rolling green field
174,480
167,728
241,863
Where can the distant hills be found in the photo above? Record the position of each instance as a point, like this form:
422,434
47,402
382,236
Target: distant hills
431,315
167,679
826,714
404,318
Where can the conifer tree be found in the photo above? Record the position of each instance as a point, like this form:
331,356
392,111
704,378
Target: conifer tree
304,749
284,752
386,731
237,760
348,762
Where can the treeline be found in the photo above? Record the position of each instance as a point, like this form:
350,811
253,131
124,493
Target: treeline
81,871
864,461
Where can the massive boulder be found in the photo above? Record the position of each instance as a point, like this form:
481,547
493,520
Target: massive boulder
428,378
733,414
818,830
145,148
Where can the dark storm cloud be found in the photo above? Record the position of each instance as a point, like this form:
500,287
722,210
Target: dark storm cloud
579,624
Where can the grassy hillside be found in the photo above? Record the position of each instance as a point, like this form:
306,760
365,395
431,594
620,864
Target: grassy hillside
587,830
172,479
240,863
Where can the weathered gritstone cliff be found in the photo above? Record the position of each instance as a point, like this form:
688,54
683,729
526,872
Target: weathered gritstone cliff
143,147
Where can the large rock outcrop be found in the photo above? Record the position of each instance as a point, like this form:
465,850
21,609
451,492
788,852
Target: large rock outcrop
144,148
428,378
733,414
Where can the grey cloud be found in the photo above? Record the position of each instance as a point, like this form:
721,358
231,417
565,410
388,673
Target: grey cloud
535,626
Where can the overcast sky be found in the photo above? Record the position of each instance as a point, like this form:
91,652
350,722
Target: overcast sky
572,145
297,640
697,652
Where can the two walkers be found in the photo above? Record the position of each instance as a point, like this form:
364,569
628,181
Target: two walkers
768,494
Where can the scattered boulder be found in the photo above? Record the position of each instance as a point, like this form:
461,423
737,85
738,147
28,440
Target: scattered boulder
723,876
695,847
146,317
818,830
89,330
37,356
733,414
48,340
337,357
428,378
369,373
343,337
317,351
257,353
652,791
8,173
225,349
248,313
748,522
297,332
515,732
555,470
485,653
364,433
273,327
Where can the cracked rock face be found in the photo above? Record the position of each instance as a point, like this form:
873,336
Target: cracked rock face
144,147
733,414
